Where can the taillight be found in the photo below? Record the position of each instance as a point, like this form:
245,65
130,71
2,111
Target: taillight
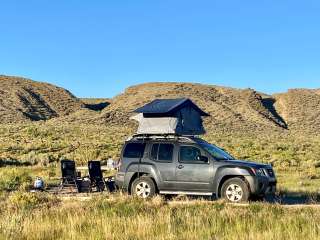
119,164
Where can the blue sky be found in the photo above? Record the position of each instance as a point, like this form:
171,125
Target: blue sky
98,48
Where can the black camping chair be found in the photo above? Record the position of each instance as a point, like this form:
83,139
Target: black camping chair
69,175
95,175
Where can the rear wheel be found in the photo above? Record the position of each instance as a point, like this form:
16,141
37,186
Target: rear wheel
143,187
235,190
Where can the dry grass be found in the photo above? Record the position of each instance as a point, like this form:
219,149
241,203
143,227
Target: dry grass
122,217
26,216
45,143
242,122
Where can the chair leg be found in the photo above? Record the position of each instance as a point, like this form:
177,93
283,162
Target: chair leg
60,186
106,186
77,188
90,188
99,189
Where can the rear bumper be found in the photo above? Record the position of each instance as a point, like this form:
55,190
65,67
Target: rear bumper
119,180
262,185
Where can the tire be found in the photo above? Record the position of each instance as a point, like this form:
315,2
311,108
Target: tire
235,190
143,187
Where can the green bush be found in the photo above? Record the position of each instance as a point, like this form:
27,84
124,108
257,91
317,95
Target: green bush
13,178
27,200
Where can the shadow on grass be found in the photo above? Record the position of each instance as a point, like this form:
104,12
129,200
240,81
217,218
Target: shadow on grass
282,198
13,162
294,198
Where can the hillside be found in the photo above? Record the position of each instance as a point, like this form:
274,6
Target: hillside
24,100
230,109
300,108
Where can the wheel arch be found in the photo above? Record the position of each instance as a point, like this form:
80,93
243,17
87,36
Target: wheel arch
141,174
228,172
227,177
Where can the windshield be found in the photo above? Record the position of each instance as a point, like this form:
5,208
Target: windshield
216,152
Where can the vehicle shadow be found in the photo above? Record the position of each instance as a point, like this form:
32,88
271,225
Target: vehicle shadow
294,198
281,198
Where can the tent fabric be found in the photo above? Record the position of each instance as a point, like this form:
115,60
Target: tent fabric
158,125
168,106
170,116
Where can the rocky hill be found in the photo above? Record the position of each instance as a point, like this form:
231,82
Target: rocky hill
23,100
300,109
230,109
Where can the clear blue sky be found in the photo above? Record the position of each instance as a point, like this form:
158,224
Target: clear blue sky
98,48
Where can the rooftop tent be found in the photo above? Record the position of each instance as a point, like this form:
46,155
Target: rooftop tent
170,116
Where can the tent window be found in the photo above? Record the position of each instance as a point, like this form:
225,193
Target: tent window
162,152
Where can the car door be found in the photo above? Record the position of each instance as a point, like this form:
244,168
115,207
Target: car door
192,174
163,155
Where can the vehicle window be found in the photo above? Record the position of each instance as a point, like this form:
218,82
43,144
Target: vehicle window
189,154
162,152
165,152
134,150
214,151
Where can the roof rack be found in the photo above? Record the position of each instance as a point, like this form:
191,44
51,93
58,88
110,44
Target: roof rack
162,137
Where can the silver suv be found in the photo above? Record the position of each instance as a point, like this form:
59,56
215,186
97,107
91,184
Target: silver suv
190,166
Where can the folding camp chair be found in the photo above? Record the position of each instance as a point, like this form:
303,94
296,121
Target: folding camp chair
69,175
95,175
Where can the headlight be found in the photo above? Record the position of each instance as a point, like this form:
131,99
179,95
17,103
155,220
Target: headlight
258,171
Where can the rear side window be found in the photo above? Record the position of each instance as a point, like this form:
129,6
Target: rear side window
134,150
162,152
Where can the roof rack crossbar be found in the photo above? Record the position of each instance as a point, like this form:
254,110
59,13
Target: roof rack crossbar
162,136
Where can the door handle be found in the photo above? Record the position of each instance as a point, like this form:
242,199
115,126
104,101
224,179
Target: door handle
180,166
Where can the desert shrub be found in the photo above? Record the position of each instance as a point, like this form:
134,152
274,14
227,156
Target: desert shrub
13,178
42,144
27,200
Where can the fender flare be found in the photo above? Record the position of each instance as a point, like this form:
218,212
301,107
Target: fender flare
227,172
134,169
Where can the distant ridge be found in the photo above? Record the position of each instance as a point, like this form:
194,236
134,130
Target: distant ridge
230,109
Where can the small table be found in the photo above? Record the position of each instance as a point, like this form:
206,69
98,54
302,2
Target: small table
103,168
84,169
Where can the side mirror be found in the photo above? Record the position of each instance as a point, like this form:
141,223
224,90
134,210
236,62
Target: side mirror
203,159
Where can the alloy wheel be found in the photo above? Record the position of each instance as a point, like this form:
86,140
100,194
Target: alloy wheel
143,189
234,193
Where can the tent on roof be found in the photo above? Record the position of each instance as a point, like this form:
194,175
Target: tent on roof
170,116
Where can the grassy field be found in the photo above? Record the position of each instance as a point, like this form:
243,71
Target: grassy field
31,150
45,143
39,216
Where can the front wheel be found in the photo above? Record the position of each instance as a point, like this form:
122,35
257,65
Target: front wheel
235,190
143,187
